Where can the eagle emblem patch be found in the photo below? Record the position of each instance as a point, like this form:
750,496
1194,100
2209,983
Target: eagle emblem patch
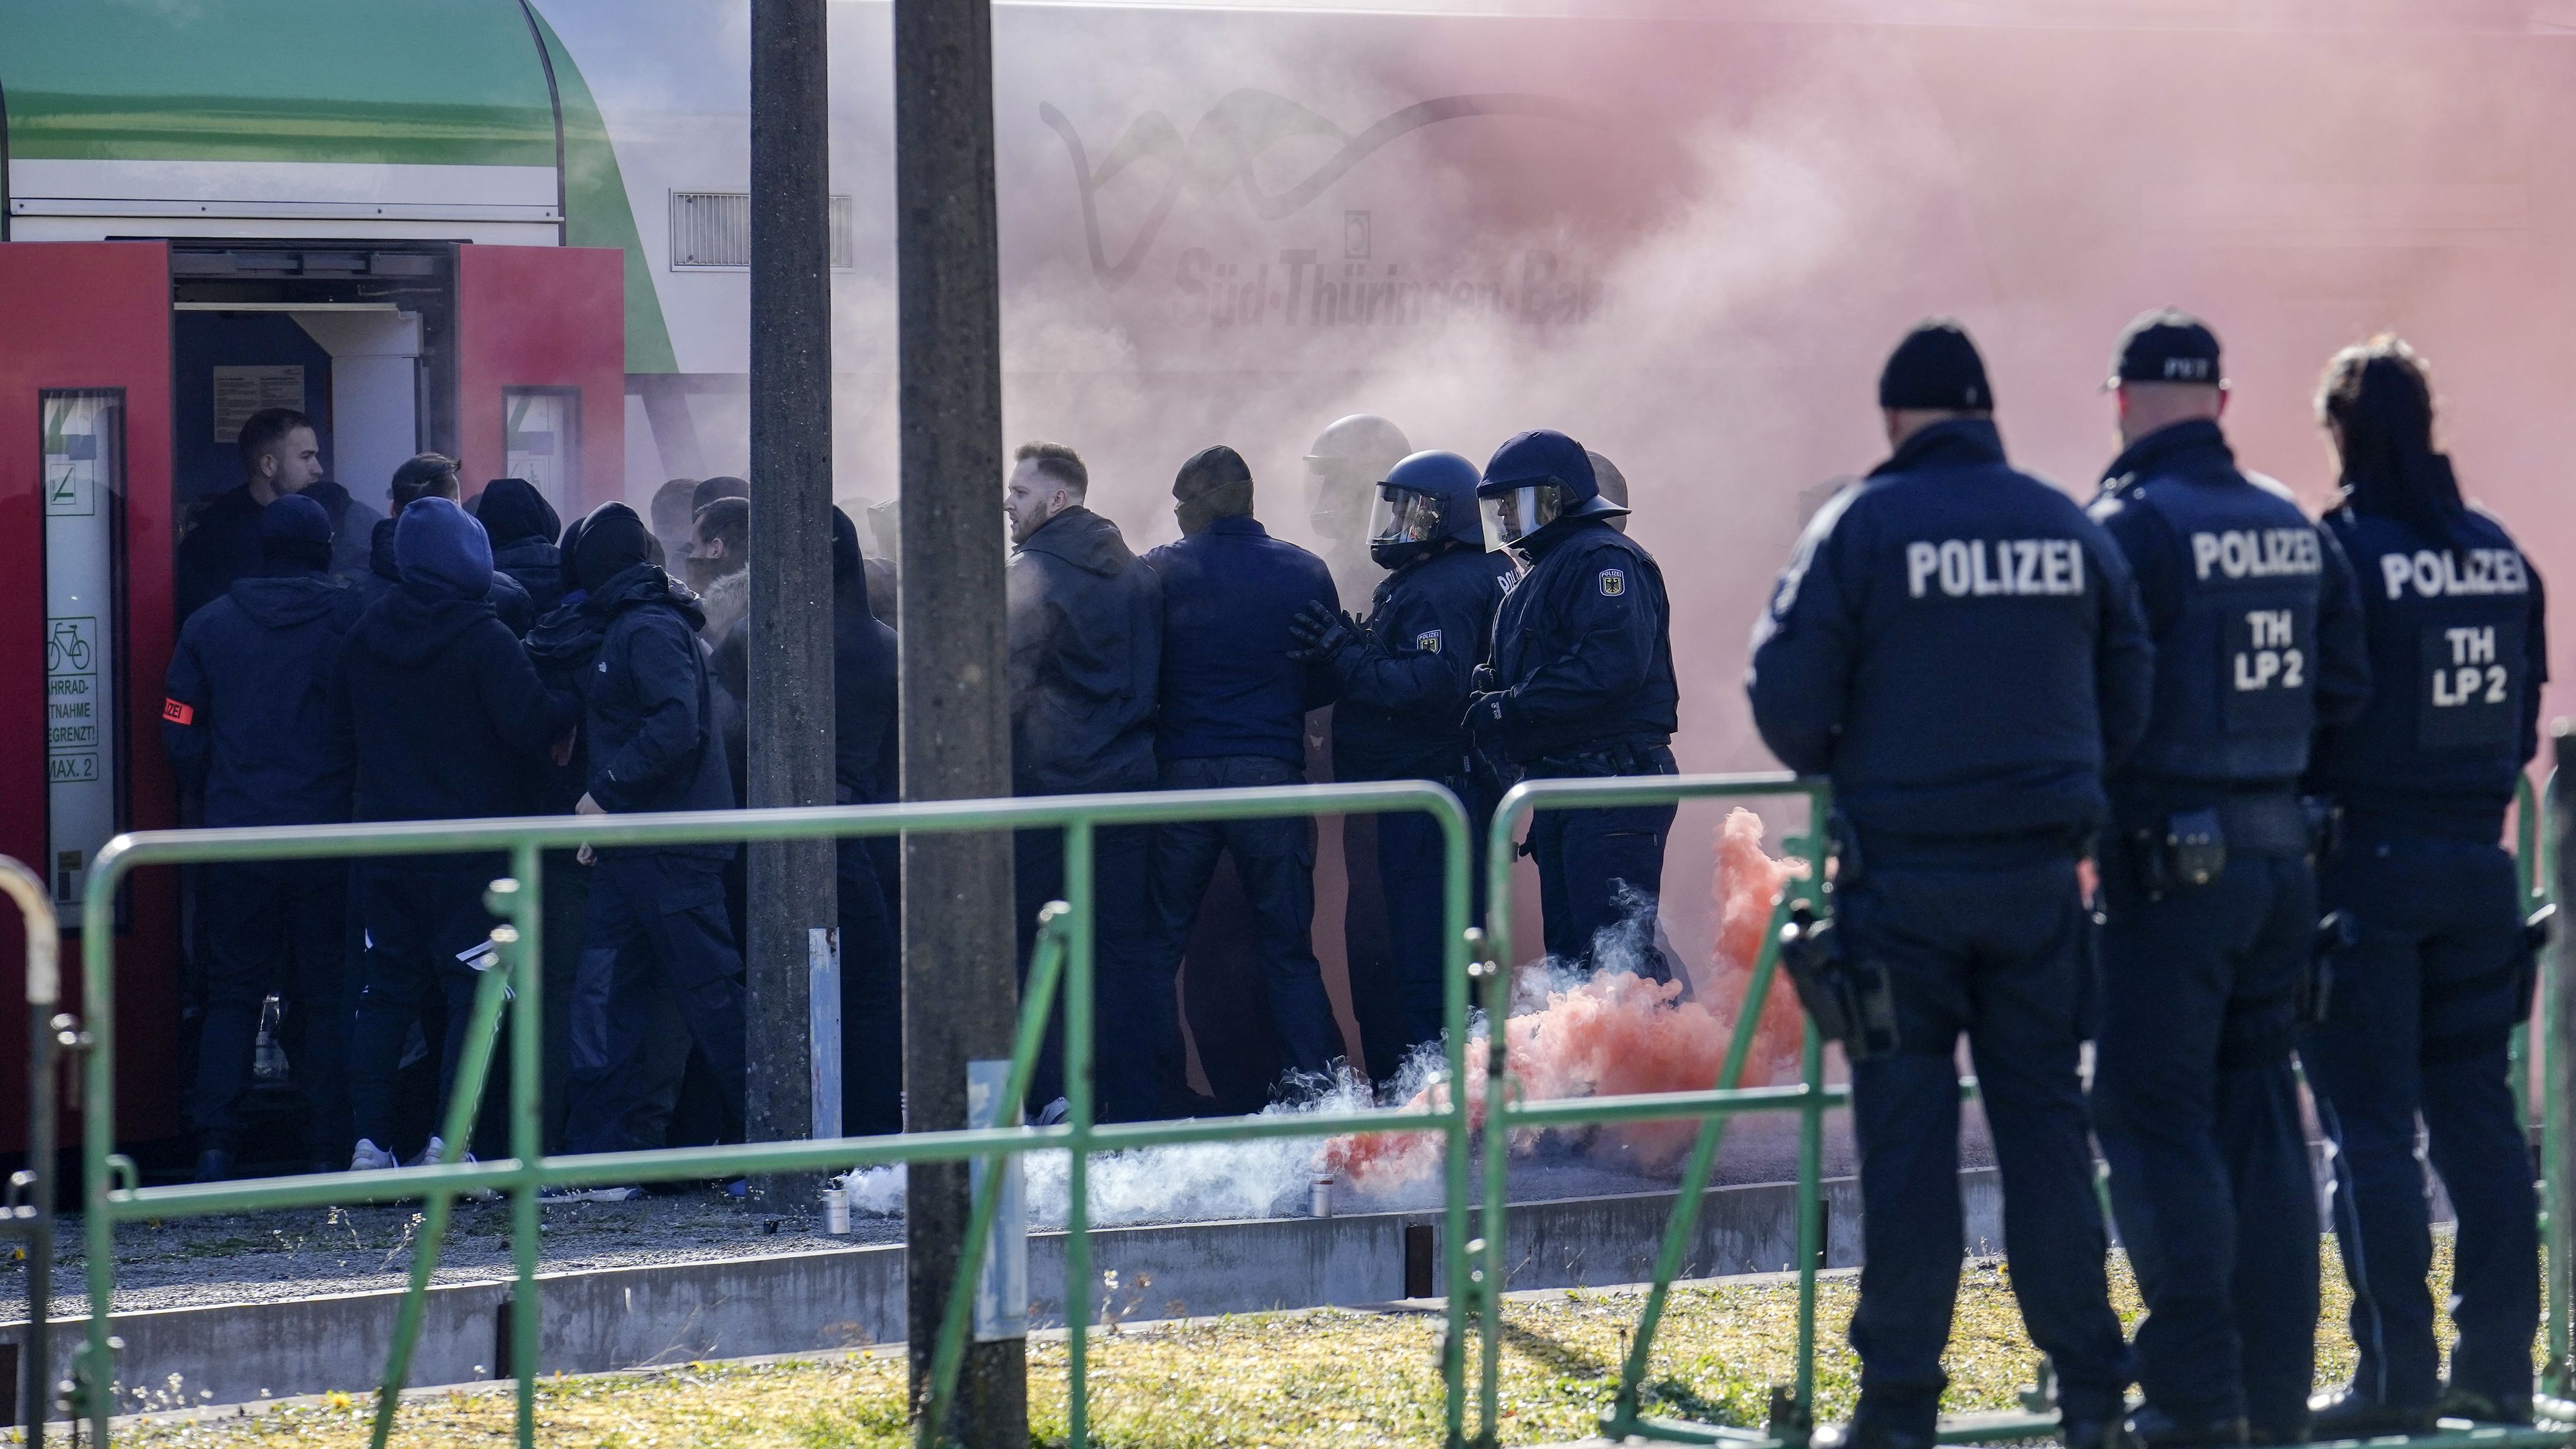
1614,582
1428,641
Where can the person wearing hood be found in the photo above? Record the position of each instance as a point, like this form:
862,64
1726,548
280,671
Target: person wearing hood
281,457
433,475
2424,1000
1582,685
245,718
1405,672
448,716
1086,642
657,913
1965,729
522,526
2209,900
1231,711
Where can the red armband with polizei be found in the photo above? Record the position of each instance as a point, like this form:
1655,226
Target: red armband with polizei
178,713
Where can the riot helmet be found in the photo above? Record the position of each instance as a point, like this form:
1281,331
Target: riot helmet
1345,463
1535,480
1423,502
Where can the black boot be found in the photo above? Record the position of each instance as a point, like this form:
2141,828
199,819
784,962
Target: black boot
2153,1428
2460,1403
2348,1413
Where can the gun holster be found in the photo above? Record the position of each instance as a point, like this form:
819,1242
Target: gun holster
1850,1003
2188,849
2336,934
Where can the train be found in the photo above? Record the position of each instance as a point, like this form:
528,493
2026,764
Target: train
517,231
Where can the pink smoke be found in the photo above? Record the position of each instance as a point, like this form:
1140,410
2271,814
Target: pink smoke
1619,1034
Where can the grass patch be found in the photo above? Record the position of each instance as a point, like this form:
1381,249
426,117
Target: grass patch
1321,1378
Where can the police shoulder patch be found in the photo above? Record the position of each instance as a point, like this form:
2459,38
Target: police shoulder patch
1614,582
1428,641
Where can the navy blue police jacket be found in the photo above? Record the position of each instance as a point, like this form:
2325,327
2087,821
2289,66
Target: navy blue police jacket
1583,648
1086,638
2257,630
2458,652
1957,645
1404,692
447,711
650,709
564,645
246,710
1228,686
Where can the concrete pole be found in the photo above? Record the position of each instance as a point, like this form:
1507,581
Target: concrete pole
790,725
960,986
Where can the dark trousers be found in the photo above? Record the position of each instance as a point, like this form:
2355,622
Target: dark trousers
418,917
1136,1034
657,919
274,926
1997,949
2197,1113
2417,1023
1276,860
1412,863
1599,871
871,997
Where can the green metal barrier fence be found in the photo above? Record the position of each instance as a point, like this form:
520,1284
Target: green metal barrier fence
114,1193
28,1210
1474,1268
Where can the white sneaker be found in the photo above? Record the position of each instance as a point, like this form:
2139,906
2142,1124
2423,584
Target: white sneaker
371,1158
433,1150
590,1194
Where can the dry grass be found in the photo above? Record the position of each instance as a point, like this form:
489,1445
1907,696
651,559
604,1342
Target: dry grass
1328,1377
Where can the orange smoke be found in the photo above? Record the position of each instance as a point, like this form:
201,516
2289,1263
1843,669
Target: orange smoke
1619,1034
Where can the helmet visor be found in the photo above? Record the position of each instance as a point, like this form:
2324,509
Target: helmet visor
1402,515
1513,516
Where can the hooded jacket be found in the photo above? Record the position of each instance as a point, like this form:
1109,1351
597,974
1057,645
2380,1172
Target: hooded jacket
564,646
511,603
222,545
523,527
1086,640
649,710
448,713
247,708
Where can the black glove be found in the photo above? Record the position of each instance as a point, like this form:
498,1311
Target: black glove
1319,634
1488,715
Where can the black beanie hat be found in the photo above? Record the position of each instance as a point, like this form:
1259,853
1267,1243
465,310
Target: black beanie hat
613,539
295,532
1936,368
1210,468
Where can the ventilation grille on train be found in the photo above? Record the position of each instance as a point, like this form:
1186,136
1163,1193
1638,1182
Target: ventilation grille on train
711,231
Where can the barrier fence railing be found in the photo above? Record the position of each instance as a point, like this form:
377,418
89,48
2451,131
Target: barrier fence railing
1474,1268
28,1210
114,1193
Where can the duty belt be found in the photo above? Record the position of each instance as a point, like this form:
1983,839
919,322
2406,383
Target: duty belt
2265,825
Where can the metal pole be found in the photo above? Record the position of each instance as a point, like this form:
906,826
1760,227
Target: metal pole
960,988
792,884
1080,1013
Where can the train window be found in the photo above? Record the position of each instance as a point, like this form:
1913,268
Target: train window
541,432
711,232
84,479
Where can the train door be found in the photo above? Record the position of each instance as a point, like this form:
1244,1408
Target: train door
86,537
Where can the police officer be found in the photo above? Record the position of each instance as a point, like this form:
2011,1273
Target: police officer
2418,1010
1405,673
1583,676
246,720
1961,649
1343,467
2210,903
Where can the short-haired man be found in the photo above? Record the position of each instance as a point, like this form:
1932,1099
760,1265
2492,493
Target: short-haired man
281,456
674,505
1086,633
717,563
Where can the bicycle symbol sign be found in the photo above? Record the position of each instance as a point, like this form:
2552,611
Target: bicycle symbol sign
71,647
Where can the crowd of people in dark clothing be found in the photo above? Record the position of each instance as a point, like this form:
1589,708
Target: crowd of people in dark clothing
480,658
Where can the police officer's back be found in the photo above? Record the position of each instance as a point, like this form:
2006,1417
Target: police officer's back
2418,1009
1405,674
1960,649
1583,686
246,717
2210,903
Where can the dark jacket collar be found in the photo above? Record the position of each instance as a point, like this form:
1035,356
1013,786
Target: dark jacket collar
638,585
2192,446
1958,443
1237,528
1083,539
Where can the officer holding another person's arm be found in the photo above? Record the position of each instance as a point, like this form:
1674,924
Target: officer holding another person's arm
1960,648
2416,1006
2210,902
1583,687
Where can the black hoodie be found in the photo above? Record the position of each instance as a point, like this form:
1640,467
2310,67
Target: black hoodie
222,543
246,712
1086,623
649,715
449,716
511,600
522,526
